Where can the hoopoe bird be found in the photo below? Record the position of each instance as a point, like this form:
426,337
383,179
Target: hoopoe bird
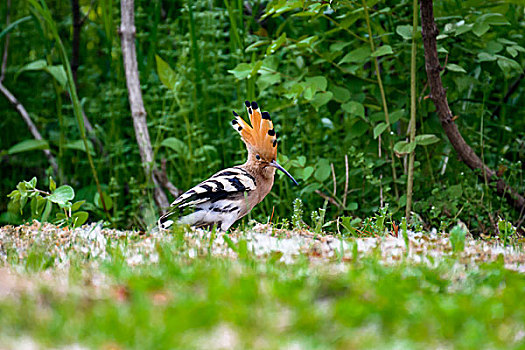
232,193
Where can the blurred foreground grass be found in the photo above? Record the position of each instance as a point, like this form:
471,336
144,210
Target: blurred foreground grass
176,297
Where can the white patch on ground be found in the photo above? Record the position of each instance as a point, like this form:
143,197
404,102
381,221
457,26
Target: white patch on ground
93,242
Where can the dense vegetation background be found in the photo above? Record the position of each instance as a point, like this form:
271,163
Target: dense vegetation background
310,64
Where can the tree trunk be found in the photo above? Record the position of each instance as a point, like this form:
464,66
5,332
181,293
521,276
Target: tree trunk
439,97
138,113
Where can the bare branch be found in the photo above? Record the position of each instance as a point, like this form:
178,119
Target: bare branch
32,127
439,97
162,176
138,113
334,179
346,181
329,198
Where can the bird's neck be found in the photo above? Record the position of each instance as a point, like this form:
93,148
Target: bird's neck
263,175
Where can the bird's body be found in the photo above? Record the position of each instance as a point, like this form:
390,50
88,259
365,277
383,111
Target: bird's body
232,193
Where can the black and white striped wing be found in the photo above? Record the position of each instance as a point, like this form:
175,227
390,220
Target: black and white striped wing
213,194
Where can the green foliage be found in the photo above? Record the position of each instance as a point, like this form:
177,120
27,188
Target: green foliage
308,63
457,238
41,203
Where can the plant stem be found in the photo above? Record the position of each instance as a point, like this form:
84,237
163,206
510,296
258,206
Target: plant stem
383,98
43,10
410,180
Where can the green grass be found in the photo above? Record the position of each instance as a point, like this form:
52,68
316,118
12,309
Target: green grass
182,302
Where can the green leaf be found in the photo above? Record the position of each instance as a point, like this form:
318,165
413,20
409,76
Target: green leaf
276,44
359,55
241,71
358,129
37,206
512,51
493,47
354,108
494,19
13,25
107,200
320,99
396,115
52,184
426,139
305,173
464,29
62,195
59,74
508,66
176,145
340,94
77,205
35,65
266,80
457,238
405,31
480,28
404,147
323,170
378,130
47,211
167,76
382,51
28,145
318,82
80,146
353,206
56,72
31,183
79,218
484,57
337,47
455,68
307,42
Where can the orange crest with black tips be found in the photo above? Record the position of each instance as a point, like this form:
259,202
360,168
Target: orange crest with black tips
260,136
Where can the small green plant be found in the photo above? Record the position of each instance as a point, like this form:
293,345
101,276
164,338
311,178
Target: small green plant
41,203
404,232
351,225
297,217
457,238
506,231
318,217
381,219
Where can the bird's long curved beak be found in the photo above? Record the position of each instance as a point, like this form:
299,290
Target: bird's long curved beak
275,165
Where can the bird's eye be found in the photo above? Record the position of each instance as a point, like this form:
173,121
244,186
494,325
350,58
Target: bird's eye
258,157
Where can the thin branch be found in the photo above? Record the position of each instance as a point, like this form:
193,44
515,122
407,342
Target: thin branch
385,106
412,157
32,127
334,179
162,176
329,198
14,101
346,181
138,113
439,97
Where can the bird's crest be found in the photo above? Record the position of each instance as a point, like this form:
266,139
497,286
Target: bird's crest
260,137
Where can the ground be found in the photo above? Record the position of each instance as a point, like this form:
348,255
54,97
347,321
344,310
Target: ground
262,288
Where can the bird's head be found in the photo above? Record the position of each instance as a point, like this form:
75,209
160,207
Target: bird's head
260,138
